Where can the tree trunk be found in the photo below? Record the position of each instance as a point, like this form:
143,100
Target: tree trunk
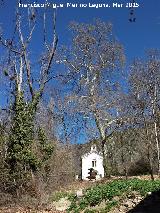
150,163
157,145
154,101
123,159
149,155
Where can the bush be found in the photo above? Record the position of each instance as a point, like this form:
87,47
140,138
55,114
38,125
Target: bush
140,167
94,196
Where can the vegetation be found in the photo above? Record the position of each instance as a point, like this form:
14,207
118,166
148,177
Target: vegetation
61,194
65,91
108,192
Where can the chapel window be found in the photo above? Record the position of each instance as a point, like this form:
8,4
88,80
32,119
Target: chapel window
94,163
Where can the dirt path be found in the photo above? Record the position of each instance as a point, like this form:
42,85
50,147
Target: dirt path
22,210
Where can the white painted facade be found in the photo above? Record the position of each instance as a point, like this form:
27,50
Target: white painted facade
93,160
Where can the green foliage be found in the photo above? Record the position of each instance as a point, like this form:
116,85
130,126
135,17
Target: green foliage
23,157
106,192
45,148
58,195
83,204
144,186
94,196
109,206
90,211
21,136
73,207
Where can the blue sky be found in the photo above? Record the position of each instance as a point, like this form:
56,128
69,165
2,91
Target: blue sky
136,37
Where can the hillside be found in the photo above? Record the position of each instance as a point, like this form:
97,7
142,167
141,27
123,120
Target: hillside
135,195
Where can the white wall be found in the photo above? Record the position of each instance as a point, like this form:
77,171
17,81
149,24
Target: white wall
87,164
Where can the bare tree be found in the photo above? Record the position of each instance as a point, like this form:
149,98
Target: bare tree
92,60
27,81
144,79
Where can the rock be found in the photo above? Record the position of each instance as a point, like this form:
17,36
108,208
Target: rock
62,204
128,204
133,194
79,193
102,204
122,209
116,198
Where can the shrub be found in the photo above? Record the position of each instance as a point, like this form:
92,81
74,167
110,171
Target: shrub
140,167
94,196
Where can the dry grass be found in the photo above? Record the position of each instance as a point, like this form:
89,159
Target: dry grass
69,188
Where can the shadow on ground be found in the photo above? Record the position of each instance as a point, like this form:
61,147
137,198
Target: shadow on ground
151,204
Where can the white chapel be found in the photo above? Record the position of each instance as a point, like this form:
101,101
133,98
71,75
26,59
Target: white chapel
92,159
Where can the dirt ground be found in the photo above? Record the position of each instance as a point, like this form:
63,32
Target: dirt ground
151,204
22,210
